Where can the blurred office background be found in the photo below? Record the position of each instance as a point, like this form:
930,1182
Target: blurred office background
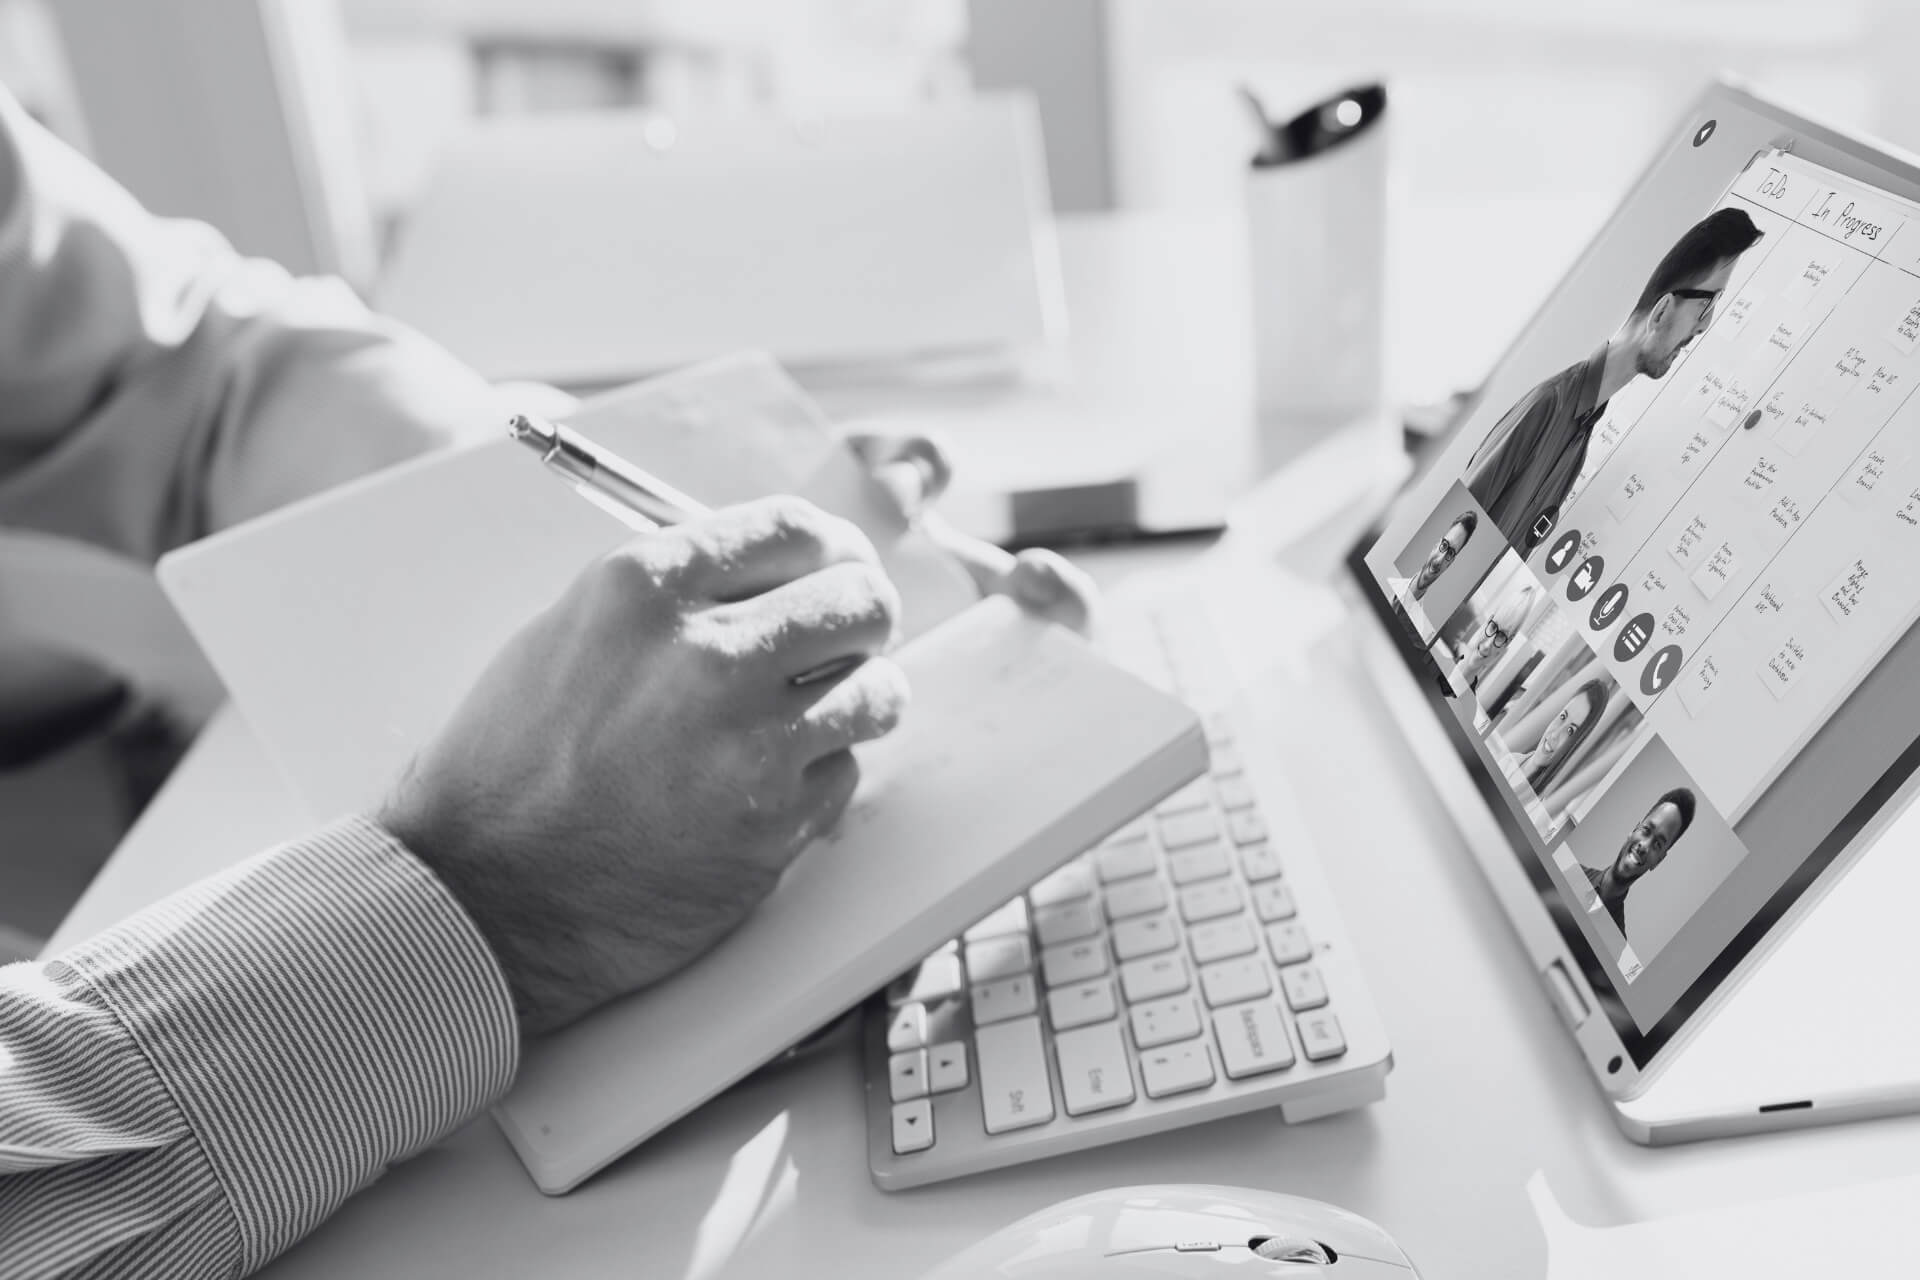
1543,108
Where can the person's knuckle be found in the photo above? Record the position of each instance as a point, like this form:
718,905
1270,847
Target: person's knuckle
640,574
876,600
790,519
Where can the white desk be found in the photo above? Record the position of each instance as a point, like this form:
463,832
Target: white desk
771,1178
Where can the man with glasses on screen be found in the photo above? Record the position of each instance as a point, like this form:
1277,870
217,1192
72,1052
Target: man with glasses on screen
1524,470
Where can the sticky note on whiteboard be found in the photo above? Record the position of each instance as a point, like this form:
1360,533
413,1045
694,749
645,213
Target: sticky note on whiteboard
1687,546
1698,683
1713,576
1626,495
1784,667
1845,596
1905,334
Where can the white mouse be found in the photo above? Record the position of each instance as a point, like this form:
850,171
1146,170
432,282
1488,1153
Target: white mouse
1230,1232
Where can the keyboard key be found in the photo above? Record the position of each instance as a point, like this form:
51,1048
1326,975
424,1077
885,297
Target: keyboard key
1259,862
1231,981
1225,762
1235,792
907,1027
998,958
1139,829
1176,1068
1206,862
1183,829
1144,936
1010,918
1135,898
1094,1074
1219,730
1014,1093
1079,1005
1253,1039
1073,962
907,1075
1195,795
1125,861
912,1126
1247,826
947,1067
1209,901
1007,998
1320,1035
1159,1022
1273,901
1153,977
1066,922
1304,987
1221,939
934,978
1289,942
1068,883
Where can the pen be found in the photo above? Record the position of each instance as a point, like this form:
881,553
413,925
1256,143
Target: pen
586,464
591,470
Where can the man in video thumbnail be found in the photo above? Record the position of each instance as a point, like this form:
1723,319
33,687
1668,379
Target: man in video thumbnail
1528,463
1451,543
1646,848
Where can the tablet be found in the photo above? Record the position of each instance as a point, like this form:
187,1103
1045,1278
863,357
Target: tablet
1660,585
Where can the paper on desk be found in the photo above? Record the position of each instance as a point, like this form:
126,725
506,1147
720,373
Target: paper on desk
348,627
1851,1231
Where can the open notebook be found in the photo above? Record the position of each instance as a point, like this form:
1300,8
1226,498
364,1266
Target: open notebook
347,628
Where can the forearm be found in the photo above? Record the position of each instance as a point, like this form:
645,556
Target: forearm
196,1089
155,385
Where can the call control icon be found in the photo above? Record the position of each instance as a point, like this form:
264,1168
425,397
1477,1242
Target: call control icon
1585,579
1562,550
1633,637
1608,606
1660,670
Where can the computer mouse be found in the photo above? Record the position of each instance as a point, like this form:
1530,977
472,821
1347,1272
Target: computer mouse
1194,1231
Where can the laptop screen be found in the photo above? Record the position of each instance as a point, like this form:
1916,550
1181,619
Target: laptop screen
1662,584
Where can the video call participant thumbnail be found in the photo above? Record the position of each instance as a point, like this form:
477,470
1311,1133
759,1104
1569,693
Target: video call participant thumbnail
1527,465
1644,849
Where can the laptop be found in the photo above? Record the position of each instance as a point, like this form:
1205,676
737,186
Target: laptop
1647,617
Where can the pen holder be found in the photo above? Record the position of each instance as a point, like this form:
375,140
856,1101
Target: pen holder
1316,246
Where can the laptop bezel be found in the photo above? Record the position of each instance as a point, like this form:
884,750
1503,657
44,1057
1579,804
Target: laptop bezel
1622,1059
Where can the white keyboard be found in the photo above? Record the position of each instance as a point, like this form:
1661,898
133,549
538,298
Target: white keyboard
1189,967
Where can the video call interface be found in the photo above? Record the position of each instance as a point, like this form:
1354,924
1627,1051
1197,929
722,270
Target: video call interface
1669,585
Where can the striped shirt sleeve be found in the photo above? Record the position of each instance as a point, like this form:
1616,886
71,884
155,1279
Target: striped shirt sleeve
189,1093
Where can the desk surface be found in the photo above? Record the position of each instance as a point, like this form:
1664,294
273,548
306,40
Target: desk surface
771,1179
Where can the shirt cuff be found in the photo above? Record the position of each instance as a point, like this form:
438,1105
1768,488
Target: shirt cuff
317,1013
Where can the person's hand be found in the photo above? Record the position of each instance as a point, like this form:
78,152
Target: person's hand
915,470
636,768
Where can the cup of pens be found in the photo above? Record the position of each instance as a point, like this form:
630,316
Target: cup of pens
1316,211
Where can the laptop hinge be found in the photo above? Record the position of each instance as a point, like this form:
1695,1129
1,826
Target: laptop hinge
1573,1006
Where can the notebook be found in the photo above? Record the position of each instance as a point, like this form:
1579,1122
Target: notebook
348,627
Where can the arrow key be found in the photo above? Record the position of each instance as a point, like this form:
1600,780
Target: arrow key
912,1126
